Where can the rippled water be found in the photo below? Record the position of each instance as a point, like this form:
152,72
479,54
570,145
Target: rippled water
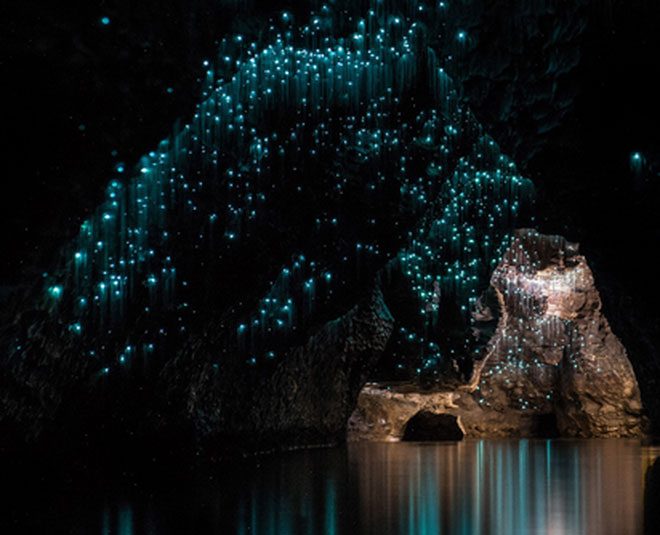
472,487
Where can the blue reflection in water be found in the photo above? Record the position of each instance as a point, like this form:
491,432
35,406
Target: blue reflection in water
118,520
482,487
475,487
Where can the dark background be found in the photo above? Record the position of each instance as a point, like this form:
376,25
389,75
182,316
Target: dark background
83,96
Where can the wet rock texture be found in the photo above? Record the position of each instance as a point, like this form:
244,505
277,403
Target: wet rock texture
552,366
303,398
554,351
383,412
306,398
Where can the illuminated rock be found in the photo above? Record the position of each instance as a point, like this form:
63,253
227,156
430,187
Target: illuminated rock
554,351
553,365
382,412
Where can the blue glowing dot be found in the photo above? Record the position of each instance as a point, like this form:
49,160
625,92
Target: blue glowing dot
75,328
106,371
120,168
461,35
55,291
636,162
105,21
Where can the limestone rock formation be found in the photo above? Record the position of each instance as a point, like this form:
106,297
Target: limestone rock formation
302,398
382,413
305,398
384,410
554,351
553,364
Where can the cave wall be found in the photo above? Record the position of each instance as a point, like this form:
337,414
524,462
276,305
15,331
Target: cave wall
50,371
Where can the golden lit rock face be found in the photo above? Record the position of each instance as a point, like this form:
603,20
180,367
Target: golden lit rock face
554,351
382,413
553,364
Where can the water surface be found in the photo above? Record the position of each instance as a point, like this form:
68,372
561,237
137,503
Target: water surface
473,487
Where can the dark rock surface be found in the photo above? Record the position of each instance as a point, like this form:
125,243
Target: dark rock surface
652,498
428,426
306,398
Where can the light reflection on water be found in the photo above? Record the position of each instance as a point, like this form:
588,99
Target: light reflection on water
483,487
475,487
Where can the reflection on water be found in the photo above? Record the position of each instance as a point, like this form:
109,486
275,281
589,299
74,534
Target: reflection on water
501,487
473,487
